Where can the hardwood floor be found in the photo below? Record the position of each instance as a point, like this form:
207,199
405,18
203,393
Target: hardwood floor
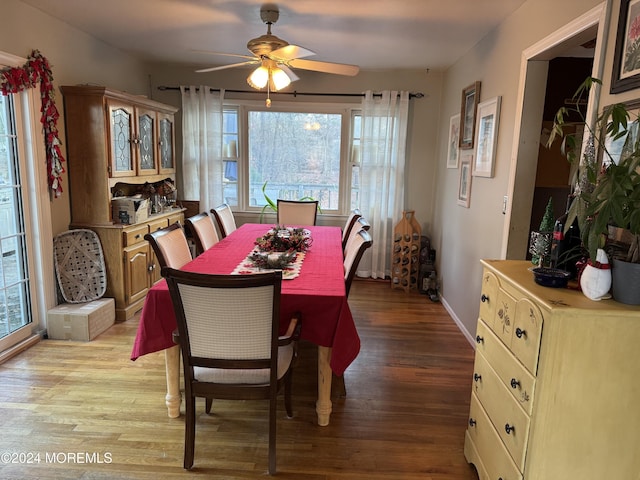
86,411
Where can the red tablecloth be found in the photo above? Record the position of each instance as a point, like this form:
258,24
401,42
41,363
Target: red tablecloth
318,293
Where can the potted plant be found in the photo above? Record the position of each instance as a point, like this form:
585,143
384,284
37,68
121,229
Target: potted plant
607,189
272,205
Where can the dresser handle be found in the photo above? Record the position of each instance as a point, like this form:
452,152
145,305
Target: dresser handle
479,339
520,333
508,428
514,383
476,377
472,422
137,236
484,298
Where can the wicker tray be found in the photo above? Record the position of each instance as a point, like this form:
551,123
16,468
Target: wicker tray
79,265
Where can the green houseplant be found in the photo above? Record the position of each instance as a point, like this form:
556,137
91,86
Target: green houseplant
607,188
273,206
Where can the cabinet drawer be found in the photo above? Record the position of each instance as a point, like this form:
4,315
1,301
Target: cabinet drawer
494,456
175,218
511,422
511,372
134,235
159,224
505,317
527,330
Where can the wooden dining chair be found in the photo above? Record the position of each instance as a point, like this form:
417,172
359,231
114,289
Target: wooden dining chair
228,333
360,224
297,212
225,219
170,246
348,226
202,230
358,244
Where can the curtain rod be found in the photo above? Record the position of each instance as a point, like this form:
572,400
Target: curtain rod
295,93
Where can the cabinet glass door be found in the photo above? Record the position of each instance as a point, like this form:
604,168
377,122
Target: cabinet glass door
146,143
166,145
122,153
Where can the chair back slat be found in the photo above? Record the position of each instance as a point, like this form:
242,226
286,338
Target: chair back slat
348,226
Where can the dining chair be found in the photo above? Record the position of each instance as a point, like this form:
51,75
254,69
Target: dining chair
225,219
358,244
228,333
202,230
170,246
297,212
360,224
351,220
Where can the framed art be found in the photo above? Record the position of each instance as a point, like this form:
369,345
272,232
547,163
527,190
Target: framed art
454,139
626,59
464,179
616,149
469,105
486,137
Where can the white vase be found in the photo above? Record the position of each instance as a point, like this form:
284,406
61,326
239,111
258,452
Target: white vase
595,281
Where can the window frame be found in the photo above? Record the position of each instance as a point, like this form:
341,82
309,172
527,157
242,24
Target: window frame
346,110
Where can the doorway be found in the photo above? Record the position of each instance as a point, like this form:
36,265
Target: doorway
535,82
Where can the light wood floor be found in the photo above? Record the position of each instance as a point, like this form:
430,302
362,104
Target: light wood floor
404,416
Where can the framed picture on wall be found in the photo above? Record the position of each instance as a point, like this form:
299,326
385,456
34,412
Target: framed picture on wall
468,107
464,179
626,59
454,139
486,137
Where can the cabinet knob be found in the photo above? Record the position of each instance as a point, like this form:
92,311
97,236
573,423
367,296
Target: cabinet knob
484,298
137,236
479,339
472,422
514,383
476,377
509,428
520,333
151,267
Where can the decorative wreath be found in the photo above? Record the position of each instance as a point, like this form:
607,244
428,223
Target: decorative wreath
284,239
18,79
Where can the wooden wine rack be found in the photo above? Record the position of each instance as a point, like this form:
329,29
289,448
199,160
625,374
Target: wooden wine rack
405,252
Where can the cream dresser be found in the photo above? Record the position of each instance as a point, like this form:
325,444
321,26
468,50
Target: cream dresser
556,384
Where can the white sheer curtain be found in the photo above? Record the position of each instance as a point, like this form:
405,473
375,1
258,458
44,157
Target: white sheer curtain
202,165
383,146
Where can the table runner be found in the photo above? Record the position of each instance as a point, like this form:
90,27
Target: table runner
318,293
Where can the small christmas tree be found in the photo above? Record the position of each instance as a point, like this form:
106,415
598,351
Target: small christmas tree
541,243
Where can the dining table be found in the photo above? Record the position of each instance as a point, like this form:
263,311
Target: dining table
316,291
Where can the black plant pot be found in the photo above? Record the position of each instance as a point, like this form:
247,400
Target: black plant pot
625,282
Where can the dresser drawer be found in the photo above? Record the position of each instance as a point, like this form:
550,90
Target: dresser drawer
489,296
159,224
512,373
509,419
527,330
134,235
496,460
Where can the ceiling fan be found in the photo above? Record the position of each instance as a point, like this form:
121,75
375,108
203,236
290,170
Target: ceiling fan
276,58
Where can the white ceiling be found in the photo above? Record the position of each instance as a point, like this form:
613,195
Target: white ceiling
374,34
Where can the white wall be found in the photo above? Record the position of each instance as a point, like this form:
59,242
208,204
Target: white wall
75,58
464,236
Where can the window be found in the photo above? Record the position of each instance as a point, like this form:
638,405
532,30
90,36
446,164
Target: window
298,151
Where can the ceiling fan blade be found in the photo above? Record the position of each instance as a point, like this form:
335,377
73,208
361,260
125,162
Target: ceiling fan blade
224,67
326,67
289,72
209,52
290,52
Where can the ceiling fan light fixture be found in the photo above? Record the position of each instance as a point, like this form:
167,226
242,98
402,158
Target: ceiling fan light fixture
280,79
259,78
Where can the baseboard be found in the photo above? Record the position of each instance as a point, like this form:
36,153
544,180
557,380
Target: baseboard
20,347
458,322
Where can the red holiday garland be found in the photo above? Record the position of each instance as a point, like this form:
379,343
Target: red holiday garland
17,79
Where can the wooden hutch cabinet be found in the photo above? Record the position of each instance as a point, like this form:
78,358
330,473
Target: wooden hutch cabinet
554,389
114,137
